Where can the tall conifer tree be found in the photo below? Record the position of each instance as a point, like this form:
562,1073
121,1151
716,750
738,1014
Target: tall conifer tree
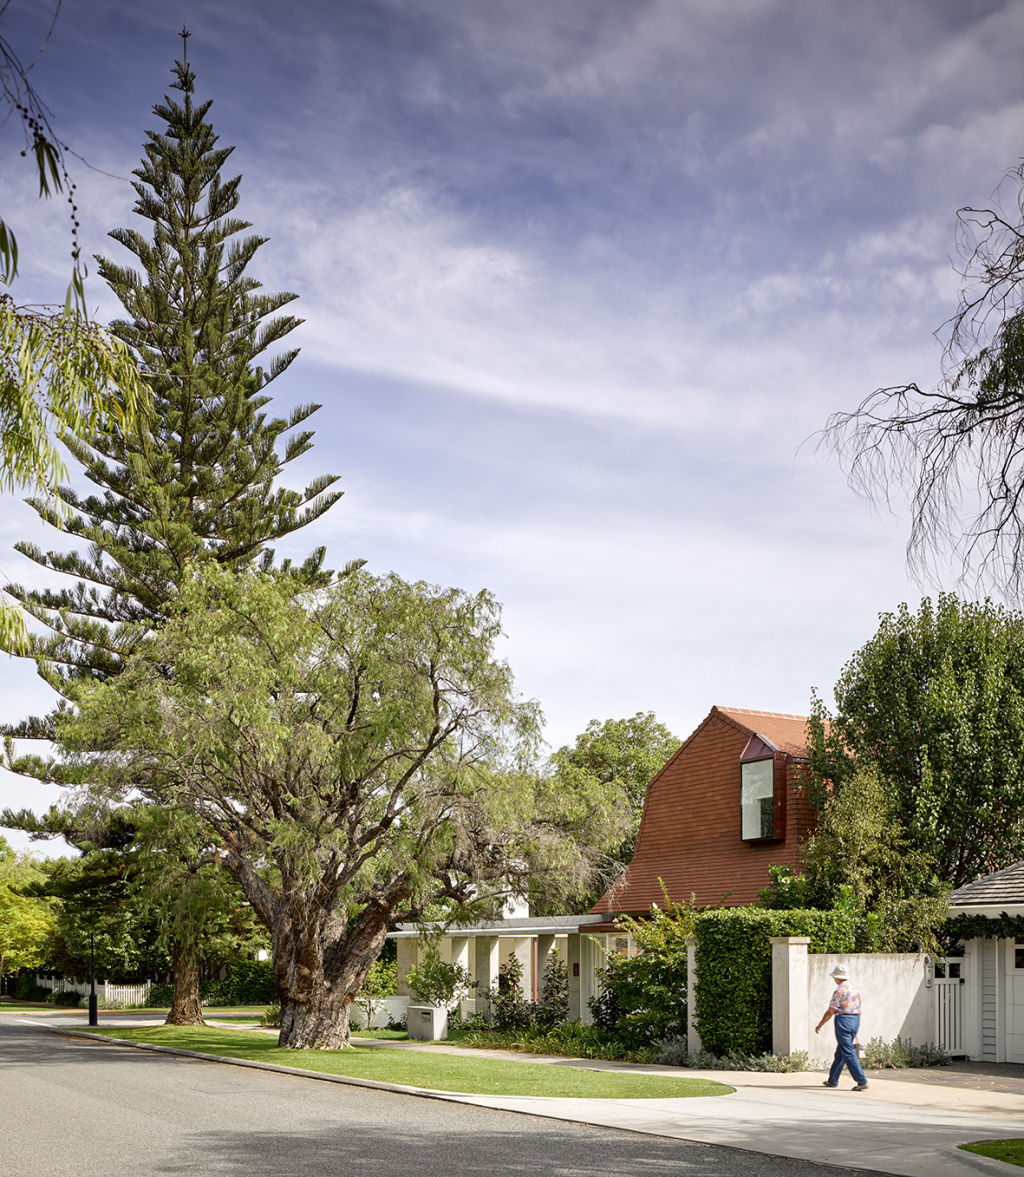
196,482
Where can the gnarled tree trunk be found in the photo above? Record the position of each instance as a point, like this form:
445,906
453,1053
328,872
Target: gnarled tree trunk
319,968
185,1007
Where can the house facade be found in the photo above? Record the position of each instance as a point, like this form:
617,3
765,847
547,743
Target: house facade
726,807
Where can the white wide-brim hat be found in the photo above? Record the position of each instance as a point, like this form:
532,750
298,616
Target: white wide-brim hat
839,973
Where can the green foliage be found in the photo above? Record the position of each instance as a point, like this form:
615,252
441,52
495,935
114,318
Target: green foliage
969,927
510,1008
437,981
100,911
159,995
860,861
553,1006
934,703
879,1055
785,891
734,963
570,1039
610,765
271,1017
363,740
26,989
26,921
69,999
195,481
382,981
245,982
642,998
675,1053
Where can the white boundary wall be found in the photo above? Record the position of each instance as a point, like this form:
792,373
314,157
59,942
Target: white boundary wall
897,1001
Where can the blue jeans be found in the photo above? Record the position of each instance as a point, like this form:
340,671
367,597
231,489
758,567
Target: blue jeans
847,1026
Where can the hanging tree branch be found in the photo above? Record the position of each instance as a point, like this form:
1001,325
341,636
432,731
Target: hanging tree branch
971,426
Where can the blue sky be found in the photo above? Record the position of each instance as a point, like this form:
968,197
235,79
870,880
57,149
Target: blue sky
579,281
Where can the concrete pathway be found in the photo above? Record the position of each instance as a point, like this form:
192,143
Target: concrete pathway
899,1125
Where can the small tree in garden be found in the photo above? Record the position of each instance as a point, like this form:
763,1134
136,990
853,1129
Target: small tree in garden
510,1008
553,1006
439,982
381,981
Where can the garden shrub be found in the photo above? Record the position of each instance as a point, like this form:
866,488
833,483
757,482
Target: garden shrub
380,981
734,968
553,1006
879,1055
437,981
510,1010
26,989
245,982
271,1016
674,1053
643,998
71,1000
159,995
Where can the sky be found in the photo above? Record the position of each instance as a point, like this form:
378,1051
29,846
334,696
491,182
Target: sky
581,281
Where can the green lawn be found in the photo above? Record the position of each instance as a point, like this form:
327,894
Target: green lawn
1010,1151
439,1072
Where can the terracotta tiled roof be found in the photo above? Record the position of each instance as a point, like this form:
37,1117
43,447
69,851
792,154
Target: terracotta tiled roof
1002,886
787,732
690,833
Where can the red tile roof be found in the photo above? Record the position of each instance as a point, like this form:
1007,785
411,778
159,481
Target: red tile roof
788,733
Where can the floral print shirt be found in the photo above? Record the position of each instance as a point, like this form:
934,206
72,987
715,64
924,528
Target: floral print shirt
845,1000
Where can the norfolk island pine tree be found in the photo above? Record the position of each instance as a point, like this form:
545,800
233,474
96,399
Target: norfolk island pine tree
196,481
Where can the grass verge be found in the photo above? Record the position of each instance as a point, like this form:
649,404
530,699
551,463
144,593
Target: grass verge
439,1072
1010,1151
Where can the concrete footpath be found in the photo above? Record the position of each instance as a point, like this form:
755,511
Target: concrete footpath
900,1125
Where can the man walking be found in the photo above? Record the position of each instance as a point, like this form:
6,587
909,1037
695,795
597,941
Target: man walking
845,1008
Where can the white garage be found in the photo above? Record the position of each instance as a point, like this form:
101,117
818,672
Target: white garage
992,971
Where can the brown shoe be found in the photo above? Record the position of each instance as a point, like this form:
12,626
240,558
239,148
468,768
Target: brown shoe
861,1087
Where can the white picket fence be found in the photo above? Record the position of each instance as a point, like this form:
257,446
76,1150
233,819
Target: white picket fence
122,994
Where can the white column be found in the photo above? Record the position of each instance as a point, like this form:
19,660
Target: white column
572,960
485,970
458,951
407,957
522,949
789,994
693,1041
544,946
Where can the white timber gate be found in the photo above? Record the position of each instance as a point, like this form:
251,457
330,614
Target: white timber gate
950,990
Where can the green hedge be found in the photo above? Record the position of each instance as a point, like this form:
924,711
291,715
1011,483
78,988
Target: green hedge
734,969
246,982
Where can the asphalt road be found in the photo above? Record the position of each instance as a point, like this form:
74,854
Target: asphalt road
69,1107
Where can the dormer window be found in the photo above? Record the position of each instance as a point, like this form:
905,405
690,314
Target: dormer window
757,799
762,815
